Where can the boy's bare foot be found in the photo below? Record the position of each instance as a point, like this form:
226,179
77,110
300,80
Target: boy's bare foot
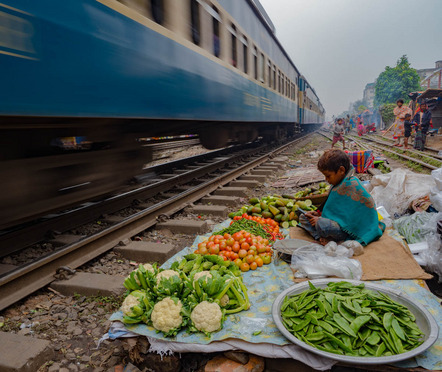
323,241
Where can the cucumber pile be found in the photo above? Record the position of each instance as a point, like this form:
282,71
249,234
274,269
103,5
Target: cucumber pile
281,208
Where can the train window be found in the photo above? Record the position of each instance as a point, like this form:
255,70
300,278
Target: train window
195,21
234,51
279,81
269,68
216,35
261,68
282,84
245,50
157,7
274,77
287,87
255,62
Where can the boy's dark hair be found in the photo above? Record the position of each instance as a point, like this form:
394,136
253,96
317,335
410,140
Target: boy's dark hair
407,116
339,119
400,100
333,159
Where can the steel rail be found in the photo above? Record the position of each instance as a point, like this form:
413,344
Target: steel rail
25,280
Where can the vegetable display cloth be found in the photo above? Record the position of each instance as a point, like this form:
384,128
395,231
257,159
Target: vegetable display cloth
385,258
353,208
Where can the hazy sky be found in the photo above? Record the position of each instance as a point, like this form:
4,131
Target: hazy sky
341,45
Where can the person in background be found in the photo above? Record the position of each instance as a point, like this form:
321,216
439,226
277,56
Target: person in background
399,112
423,121
407,129
349,213
361,128
338,133
352,123
347,124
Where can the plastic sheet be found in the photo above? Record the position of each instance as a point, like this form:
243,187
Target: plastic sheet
313,262
433,255
396,190
436,192
416,227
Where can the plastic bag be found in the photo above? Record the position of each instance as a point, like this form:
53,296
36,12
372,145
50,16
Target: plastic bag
396,190
432,256
312,262
436,192
414,228
355,246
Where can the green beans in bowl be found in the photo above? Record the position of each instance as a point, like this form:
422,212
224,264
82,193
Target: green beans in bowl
354,322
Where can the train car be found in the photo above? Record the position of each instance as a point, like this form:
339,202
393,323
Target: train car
112,71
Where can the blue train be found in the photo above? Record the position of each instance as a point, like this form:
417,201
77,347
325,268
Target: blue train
111,71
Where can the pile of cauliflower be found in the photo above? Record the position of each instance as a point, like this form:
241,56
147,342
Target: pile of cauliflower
169,300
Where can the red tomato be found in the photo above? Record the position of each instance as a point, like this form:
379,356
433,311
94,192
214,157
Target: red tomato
242,253
236,247
203,250
244,267
249,240
253,248
247,234
245,246
237,236
261,248
259,261
253,265
238,262
266,259
268,249
214,249
230,242
250,258
222,245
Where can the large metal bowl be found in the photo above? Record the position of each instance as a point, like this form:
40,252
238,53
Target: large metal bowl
424,320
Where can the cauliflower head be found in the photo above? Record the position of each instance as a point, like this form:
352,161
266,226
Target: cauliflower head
224,301
129,302
166,274
201,274
149,267
166,315
207,316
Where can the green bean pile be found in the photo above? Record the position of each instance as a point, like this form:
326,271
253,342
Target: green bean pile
250,226
350,320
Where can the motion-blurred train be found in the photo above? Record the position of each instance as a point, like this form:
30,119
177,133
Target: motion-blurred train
82,80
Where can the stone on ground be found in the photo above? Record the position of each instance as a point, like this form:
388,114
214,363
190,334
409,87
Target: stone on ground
223,364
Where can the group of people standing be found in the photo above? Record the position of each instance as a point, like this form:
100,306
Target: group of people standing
405,122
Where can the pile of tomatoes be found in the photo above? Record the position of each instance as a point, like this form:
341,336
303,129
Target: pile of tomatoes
245,249
269,224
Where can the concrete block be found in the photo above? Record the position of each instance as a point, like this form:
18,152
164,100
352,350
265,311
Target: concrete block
66,239
261,172
23,354
232,191
280,159
269,168
184,226
244,183
5,268
215,210
221,200
145,252
88,284
254,177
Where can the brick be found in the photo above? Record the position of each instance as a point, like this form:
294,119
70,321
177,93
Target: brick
254,177
261,172
184,226
5,268
144,252
66,239
284,365
87,284
23,354
244,183
232,191
223,364
215,210
221,200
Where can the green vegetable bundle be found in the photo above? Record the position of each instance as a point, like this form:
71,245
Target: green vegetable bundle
350,320
250,226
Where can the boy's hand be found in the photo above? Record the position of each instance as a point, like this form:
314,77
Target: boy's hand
311,214
312,217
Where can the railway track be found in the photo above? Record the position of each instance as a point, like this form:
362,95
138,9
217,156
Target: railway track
425,160
390,141
205,176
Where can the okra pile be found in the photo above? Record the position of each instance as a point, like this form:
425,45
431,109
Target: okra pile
350,320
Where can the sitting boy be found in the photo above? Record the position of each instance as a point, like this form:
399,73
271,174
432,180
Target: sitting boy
349,213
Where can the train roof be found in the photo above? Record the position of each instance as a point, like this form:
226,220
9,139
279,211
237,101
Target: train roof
262,15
